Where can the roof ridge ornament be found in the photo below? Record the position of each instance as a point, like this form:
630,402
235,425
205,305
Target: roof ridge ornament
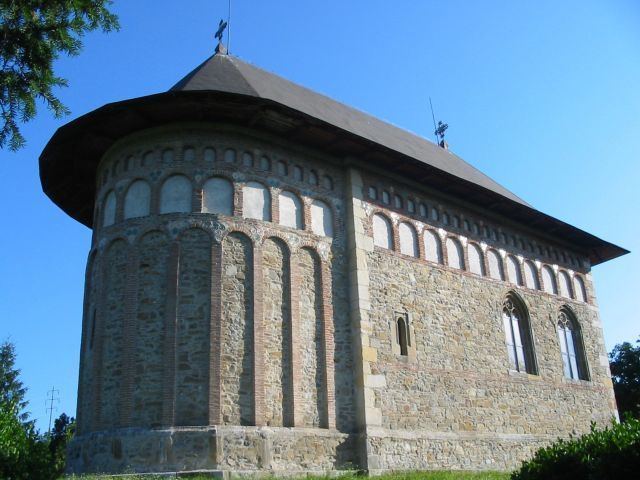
220,48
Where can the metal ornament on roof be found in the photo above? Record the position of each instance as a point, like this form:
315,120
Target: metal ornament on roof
220,48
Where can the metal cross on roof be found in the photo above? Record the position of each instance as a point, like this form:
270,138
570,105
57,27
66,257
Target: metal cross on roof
221,27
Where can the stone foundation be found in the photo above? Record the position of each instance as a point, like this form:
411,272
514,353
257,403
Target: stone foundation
217,450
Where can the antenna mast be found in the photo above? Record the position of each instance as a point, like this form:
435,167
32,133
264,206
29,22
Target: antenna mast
433,117
51,397
228,25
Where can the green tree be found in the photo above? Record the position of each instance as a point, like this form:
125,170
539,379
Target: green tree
63,429
33,34
23,455
624,361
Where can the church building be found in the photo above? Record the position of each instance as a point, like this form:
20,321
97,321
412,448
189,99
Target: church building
279,283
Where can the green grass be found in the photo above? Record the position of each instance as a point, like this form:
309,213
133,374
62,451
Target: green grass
440,475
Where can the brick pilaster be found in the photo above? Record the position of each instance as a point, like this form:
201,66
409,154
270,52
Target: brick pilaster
128,337
196,199
237,199
86,327
296,365
98,347
258,338
422,254
328,344
275,205
215,337
169,384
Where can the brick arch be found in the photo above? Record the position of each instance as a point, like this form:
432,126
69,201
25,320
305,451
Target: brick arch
391,229
300,209
126,191
449,256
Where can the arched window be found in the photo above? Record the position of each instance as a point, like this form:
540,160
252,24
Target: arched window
137,200
209,155
530,275
445,218
432,246
455,255
495,265
565,284
229,155
373,193
290,209
297,173
321,219
327,182
548,280
476,264
423,210
147,159
313,177
386,198
581,291
175,195
397,201
573,360
408,240
167,156
411,206
247,159
256,202
513,270
282,168
217,196
189,154
402,336
382,232
109,211
265,163
518,335
435,214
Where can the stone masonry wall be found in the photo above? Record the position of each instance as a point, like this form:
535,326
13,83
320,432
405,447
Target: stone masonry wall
458,404
277,337
147,394
200,328
237,331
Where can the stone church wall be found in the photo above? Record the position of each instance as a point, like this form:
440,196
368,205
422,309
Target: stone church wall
217,336
455,402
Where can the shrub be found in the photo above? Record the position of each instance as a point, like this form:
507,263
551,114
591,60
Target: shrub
612,453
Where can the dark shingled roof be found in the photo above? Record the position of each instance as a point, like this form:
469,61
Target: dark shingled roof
226,90
229,74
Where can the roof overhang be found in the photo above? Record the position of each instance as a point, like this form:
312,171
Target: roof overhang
69,162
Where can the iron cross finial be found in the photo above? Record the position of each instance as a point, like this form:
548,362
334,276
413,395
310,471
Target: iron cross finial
220,47
221,26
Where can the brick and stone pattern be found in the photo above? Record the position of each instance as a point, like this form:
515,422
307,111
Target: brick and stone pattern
277,333
216,342
150,321
237,331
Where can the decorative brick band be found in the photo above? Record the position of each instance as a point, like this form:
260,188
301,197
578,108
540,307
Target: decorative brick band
169,386
215,337
128,336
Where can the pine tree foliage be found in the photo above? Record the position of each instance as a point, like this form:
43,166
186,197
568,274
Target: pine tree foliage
33,34
624,361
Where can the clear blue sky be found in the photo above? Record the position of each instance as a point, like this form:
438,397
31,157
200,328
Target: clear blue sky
542,96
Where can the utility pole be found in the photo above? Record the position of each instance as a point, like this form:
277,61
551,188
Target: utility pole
51,398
